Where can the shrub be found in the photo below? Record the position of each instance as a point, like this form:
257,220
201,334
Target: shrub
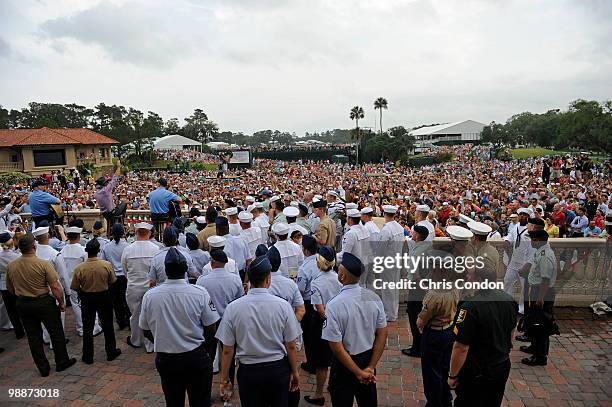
14,178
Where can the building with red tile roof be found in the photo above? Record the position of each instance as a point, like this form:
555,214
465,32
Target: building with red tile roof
38,151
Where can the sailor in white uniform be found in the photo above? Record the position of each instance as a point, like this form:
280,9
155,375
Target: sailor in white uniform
232,218
357,239
290,252
235,246
261,221
521,253
218,242
421,220
136,262
391,244
250,234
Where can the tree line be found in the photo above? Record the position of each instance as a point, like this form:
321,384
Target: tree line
586,124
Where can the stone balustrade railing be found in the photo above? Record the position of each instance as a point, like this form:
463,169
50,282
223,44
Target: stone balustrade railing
585,277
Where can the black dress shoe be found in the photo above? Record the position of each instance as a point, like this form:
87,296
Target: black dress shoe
44,372
526,349
113,355
412,352
129,342
523,338
308,368
535,361
65,365
1,350
87,361
318,402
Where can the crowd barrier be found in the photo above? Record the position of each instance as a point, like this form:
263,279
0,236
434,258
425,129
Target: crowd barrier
584,279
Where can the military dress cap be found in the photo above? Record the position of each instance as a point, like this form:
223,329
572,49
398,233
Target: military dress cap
538,234
218,255
327,252
464,219
274,198
353,213
309,243
319,203
525,211
6,236
458,233
216,241
143,225
261,250
174,258
333,193
351,205
221,221
200,220
98,225
291,212
231,211
294,204
389,209
93,246
423,208
280,228
250,208
258,205
317,196
274,257
41,230
249,198
352,264
74,229
479,228
537,221
367,210
192,241
297,228
245,217
260,266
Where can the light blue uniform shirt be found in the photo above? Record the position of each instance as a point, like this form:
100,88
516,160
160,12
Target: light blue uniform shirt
237,248
157,268
223,287
159,199
286,289
259,324
353,316
112,253
306,273
39,202
325,286
200,259
176,313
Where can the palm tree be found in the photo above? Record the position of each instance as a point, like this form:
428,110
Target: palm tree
356,114
380,103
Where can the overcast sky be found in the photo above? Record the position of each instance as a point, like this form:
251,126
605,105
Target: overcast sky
300,65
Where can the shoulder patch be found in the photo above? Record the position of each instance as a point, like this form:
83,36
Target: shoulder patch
324,322
462,315
543,253
212,306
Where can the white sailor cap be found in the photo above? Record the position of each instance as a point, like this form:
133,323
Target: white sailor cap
351,205
245,216
201,220
317,196
353,213
423,208
40,231
231,211
464,219
445,204
249,198
216,241
389,208
459,233
294,204
274,198
294,226
143,225
280,228
333,193
250,208
291,211
367,210
513,215
524,210
479,228
258,205
74,229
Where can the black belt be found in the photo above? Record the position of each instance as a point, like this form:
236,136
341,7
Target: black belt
21,297
279,362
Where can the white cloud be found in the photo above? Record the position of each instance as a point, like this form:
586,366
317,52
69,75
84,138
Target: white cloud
300,66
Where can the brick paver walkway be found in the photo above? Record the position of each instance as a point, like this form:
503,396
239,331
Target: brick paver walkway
578,374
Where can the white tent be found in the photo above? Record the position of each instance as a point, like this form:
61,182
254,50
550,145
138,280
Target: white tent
218,145
175,142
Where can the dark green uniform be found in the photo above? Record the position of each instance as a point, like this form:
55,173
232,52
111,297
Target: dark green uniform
485,323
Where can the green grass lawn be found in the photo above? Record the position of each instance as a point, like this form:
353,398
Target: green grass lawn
533,152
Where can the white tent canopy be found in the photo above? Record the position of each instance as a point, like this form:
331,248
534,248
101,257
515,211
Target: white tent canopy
175,142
